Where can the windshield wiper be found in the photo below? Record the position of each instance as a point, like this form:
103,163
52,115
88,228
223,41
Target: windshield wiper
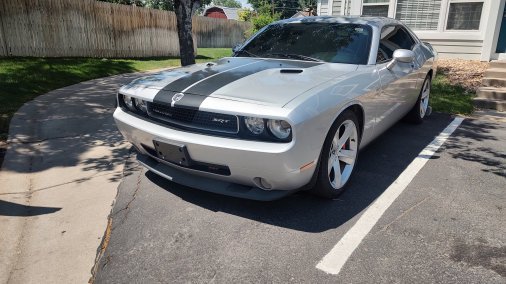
247,52
294,56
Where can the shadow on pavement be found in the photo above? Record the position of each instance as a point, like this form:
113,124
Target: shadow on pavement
58,128
14,209
379,165
470,143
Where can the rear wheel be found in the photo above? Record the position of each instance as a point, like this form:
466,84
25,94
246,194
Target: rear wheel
339,156
419,111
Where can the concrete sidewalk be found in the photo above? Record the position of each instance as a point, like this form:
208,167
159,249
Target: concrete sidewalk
58,182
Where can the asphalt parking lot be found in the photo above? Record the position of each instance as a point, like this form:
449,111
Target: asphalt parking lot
448,225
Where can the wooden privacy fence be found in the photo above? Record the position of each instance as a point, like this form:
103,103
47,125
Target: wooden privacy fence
88,28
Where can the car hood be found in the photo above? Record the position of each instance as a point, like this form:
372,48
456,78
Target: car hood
263,81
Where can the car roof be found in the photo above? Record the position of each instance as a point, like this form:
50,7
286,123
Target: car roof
372,21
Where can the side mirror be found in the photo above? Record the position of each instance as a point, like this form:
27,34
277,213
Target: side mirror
401,55
236,47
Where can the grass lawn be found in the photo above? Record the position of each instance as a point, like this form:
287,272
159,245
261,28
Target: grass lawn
450,98
23,79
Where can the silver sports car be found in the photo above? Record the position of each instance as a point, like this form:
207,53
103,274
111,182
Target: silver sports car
290,110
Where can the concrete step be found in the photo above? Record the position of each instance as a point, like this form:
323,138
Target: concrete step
495,73
497,64
499,105
491,93
494,82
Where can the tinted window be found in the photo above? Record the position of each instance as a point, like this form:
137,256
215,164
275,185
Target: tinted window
330,42
393,38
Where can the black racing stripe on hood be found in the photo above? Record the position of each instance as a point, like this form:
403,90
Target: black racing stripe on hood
222,65
209,86
194,96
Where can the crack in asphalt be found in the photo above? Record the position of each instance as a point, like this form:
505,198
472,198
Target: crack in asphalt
134,195
128,167
404,213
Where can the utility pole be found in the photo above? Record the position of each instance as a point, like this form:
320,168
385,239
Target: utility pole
272,5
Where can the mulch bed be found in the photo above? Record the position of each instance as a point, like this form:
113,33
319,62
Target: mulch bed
465,73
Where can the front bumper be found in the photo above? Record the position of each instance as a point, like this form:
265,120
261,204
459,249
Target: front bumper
208,184
279,164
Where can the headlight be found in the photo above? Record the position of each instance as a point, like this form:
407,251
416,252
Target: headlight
127,100
279,128
141,105
255,125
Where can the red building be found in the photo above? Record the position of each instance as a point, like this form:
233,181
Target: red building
221,13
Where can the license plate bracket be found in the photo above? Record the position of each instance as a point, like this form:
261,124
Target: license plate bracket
173,153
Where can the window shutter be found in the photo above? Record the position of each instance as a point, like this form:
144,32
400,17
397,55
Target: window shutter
419,14
336,8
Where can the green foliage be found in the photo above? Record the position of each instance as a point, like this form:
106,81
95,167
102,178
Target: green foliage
23,79
227,3
245,15
285,8
259,18
307,4
138,3
262,20
167,5
450,98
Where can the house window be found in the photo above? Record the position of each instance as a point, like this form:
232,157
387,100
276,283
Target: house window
464,16
419,14
375,8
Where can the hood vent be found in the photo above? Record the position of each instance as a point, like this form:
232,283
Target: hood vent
291,71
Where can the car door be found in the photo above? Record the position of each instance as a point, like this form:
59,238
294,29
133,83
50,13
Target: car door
398,84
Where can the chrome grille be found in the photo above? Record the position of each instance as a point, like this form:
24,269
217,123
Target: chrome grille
191,118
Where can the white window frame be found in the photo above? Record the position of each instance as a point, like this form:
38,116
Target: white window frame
384,3
444,23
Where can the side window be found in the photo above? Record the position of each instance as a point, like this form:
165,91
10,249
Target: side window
393,38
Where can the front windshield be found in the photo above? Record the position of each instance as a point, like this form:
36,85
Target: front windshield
314,41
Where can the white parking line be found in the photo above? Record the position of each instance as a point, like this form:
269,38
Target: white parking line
337,257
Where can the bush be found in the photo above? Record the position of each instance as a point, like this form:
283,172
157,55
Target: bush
260,21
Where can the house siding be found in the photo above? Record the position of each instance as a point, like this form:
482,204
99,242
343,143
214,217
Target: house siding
468,49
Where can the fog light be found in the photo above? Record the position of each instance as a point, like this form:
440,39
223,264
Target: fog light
262,183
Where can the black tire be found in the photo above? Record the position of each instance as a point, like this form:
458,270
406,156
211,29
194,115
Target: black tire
415,115
323,185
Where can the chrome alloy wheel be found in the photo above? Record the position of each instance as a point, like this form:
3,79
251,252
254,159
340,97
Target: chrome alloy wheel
342,154
424,101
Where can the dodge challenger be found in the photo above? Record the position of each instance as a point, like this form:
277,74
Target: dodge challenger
288,111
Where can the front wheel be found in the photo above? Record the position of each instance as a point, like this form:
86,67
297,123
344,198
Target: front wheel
419,111
339,156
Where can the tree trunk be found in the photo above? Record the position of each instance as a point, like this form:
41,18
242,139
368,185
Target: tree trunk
184,9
